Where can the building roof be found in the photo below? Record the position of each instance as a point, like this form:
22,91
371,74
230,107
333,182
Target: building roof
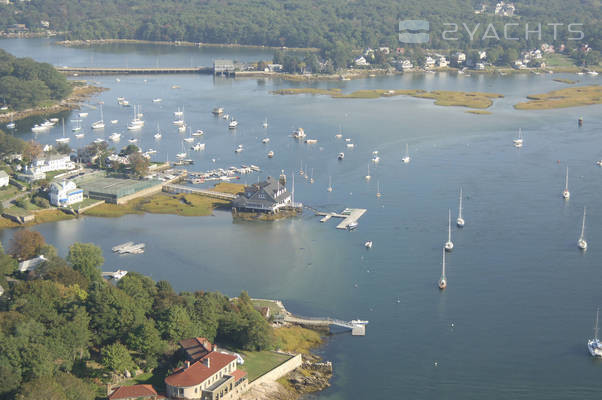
263,193
64,185
196,348
31,264
134,392
238,375
198,372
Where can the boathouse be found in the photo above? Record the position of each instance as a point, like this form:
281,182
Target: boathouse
268,197
223,67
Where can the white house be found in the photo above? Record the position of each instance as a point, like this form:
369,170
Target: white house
4,178
429,62
406,64
459,57
442,62
65,193
361,62
31,264
52,162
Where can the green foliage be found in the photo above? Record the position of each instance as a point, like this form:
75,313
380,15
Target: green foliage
87,259
26,83
10,144
26,244
117,358
145,339
60,387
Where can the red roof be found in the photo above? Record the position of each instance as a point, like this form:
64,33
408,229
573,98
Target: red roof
134,392
196,348
238,375
199,372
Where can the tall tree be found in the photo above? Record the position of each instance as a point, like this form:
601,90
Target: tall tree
86,258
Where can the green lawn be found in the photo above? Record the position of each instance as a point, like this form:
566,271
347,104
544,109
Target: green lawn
258,363
558,60
8,192
274,309
85,203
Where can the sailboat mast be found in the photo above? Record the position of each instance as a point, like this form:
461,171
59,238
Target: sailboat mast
449,227
582,225
443,267
63,127
596,327
566,179
460,208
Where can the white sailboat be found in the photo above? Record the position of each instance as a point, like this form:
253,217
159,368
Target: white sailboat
311,179
265,123
77,126
115,136
378,193
158,135
518,142
100,124
593,345
79,135
11,124
565,193
449,245
460,220
368,177
406,159
330,184
63,139
182,154
443,280
582,243
233,124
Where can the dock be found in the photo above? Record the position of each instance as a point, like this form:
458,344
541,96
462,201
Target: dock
349,216
127,70
177,189
357,327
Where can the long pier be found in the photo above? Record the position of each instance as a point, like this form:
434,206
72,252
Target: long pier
127,70
177,189
358,328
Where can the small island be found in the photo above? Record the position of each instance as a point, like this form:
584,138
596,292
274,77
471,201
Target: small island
563,98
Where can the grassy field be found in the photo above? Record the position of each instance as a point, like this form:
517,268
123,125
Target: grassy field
563,98
189,205
296,339
475,100
227,187
271,304
258,363
558,60
7,192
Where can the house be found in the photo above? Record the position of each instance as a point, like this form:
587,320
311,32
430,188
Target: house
213,376
274,67
223,67
52,162
429,62
384,50
482,54
135,392
504,9
361,62
31,264
65,193
4,178
458,58
268,196
45,24
196,348
31,175
406,65
442,62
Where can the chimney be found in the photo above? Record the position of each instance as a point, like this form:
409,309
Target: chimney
187,364
207,362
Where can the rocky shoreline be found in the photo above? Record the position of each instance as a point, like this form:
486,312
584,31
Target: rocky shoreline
79,94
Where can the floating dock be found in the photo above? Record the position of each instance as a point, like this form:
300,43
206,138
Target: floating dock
349,215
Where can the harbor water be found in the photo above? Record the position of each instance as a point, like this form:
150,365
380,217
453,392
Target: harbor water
521,298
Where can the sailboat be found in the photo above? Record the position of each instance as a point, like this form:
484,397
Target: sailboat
565,193
329,184
77,126
593,345
367,177
99,124
582,243
340,134
406,159
183,154
63,139
265,123
136,123
449,245
158,135
443,280
190,138
378,193
11,124
460,220
518,142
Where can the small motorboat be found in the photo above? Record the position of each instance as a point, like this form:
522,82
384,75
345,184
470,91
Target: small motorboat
353,225
157,100
114,121
233,124
198,147
115,136
79,135
198,132
189,139
99,140
83,114
270,154
368,244
341,156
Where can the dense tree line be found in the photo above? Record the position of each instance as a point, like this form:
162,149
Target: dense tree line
327,25
57,318
26,83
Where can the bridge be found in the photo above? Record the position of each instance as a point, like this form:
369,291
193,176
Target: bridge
127,70
358,327
177,189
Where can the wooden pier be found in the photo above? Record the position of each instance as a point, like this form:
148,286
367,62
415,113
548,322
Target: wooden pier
126,70
176,189
358,327
349,215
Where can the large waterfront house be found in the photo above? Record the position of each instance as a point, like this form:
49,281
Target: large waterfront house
52,162
208,374
65,193
268,196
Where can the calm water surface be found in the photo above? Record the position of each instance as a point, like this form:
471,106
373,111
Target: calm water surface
520,295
